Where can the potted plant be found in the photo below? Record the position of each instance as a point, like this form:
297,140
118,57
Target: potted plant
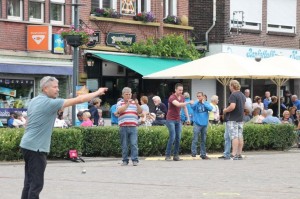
77,37
145,17
171,19
106,12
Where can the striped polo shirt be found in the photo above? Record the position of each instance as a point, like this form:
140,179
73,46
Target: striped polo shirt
130,116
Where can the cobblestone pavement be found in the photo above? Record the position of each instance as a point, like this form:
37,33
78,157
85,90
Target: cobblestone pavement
260,175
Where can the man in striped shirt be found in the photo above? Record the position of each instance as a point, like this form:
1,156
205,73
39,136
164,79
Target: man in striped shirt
128,110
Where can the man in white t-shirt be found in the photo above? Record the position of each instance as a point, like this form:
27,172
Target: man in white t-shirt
248,104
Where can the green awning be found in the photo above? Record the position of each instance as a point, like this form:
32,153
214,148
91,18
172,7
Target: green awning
140,64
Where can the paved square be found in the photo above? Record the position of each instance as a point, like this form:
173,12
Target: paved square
260,175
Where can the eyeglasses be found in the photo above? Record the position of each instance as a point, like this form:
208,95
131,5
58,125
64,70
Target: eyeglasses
199,96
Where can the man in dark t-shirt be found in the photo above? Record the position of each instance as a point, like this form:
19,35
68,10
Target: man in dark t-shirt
234,122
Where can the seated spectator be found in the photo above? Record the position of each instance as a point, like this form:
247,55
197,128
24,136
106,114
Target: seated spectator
160,112
10,120
59,121
87,122
256,117
19,121
246,116
286,118
258,103
101,120
269,118
79,118
293,115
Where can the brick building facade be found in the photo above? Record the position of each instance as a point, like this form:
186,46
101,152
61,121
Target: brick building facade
256,33
20,62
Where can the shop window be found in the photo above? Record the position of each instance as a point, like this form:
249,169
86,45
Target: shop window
15,95
143,6
128,7
15,10
36,11
170,8
57,12
104,4
282,16
245,14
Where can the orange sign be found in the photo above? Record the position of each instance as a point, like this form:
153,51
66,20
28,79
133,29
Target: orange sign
37,38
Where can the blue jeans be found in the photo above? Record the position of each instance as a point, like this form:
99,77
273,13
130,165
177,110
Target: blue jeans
203,131
129,133
227,144
175,128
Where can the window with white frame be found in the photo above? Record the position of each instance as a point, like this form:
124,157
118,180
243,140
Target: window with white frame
36,10
15,9
282,16
104,4
245,14
57,12
143,6
170,8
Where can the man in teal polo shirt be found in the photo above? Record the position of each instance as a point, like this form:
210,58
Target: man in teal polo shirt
35,143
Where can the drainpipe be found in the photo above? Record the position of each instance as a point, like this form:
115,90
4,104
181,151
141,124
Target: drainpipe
213,25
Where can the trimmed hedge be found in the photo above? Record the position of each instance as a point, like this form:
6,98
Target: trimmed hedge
105,141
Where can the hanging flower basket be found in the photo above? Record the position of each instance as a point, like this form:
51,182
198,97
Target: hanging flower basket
76,37
74,40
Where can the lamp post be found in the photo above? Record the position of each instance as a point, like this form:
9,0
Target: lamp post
75,60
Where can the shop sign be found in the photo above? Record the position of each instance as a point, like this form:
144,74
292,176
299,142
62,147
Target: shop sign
38,38
254,52
125,39
94,40
58,45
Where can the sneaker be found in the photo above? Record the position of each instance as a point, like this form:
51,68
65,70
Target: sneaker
176,158
205,158
228,158
223,157
168,158
236,157
240,157
134,163
193,155
124,164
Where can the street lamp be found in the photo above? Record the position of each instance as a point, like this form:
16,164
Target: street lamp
89,60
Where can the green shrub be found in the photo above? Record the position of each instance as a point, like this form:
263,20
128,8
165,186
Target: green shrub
9,143
105,141
63,140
